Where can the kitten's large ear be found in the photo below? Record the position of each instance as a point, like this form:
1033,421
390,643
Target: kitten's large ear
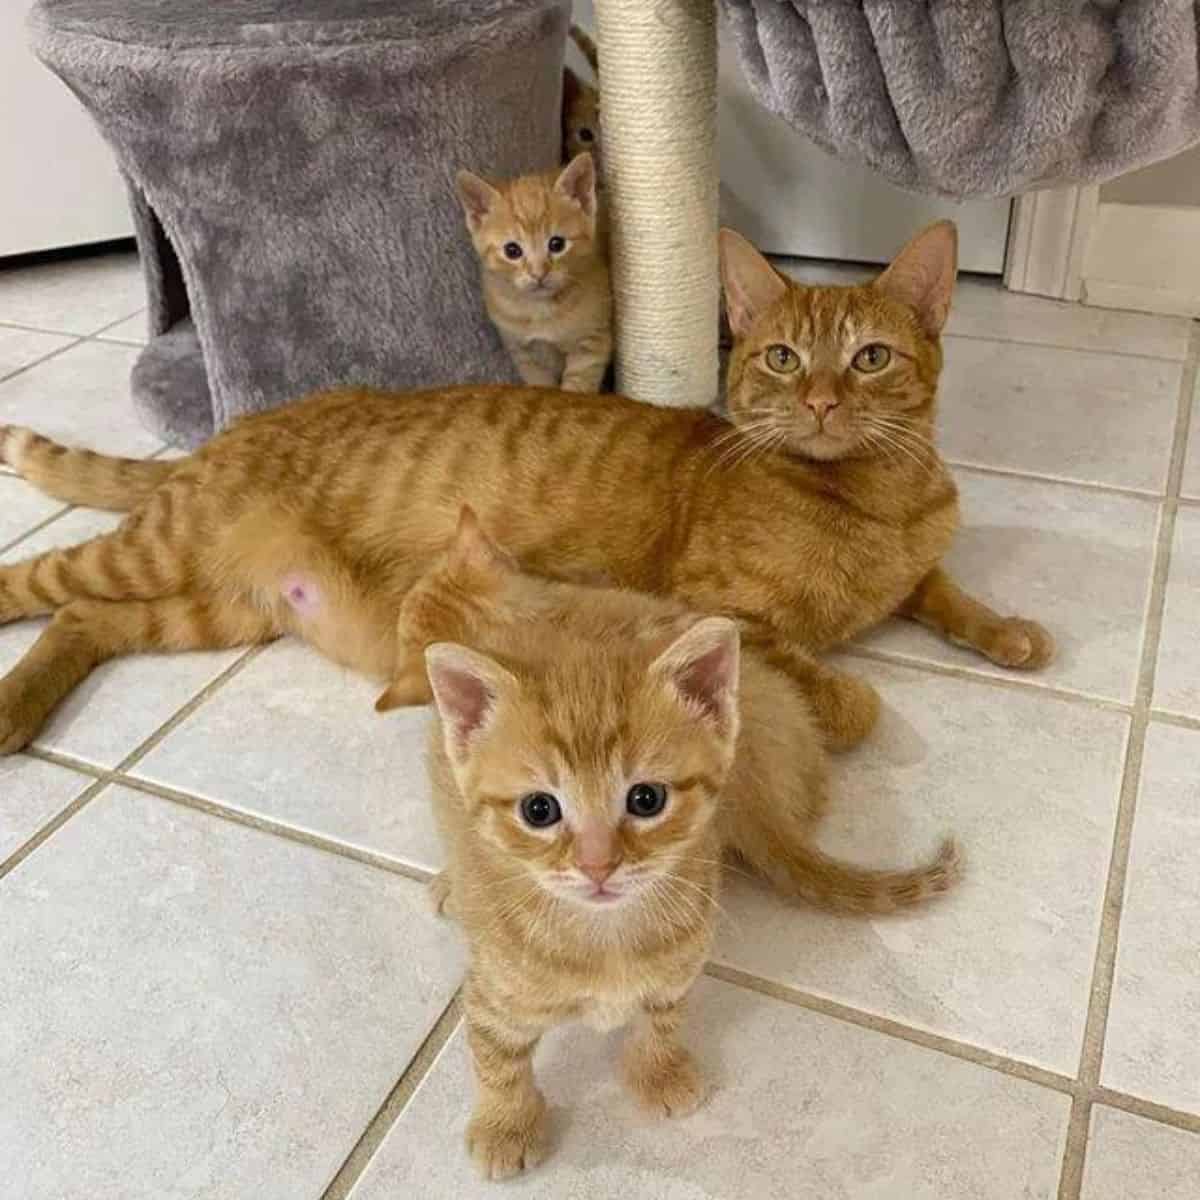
751,284
922,274
702,666
476,197
577,181
471,546
467,687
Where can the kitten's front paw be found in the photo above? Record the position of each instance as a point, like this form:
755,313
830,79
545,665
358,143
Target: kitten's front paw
505,1142
670,1087
1020,644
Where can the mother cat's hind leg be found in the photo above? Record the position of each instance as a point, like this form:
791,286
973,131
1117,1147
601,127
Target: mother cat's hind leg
85,633
941,604
844,707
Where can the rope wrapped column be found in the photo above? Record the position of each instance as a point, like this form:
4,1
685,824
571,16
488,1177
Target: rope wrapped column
658,73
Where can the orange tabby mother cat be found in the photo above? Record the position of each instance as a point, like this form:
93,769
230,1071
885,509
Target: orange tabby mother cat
800,516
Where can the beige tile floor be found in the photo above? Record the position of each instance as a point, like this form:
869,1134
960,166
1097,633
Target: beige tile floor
220,980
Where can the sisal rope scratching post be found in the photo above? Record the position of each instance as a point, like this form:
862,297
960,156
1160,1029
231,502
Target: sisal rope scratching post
658,71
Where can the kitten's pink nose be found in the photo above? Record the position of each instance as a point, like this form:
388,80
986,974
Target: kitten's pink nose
821,403
598,872
596,853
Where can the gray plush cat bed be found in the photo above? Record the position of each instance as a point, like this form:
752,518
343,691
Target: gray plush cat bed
290,166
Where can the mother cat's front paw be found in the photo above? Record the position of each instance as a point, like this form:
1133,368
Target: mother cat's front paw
1017,643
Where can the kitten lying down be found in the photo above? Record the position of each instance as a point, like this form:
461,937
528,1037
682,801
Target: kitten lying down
598,753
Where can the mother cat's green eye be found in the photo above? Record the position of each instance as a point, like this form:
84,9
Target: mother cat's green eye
782,358
871,358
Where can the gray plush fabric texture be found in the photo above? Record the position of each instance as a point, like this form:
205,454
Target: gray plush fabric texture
979,97
291,167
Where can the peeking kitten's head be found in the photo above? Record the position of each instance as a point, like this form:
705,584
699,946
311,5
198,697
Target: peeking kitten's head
535,232
581,119
596,770
835,372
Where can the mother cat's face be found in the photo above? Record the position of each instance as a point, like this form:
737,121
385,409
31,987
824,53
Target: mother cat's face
838,372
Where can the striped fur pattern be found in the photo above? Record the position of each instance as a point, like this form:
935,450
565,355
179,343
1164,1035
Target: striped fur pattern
806,542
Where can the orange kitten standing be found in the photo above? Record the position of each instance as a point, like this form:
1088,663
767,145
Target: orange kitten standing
577,791
590,770
544,270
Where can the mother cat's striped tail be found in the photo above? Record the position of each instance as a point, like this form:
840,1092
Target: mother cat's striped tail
81,476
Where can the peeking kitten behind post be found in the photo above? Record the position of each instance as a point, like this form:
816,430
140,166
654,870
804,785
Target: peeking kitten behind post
544,268
581,107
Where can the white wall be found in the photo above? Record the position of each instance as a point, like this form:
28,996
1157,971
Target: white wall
1172,182
59,185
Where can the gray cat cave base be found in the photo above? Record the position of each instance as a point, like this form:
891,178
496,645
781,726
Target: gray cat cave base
290,167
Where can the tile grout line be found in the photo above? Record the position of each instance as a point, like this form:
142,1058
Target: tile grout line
182,713
79,339
51,827
104,777
280,829
1107,489
380,1125
888,1027
1014,681
62,512
1091,1061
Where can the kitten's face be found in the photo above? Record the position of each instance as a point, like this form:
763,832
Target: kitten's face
581,120
536,233
835,372
594,773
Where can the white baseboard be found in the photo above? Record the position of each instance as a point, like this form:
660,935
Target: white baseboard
1144,257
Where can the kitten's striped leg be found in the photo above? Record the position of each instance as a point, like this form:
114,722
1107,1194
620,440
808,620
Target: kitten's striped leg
941,604
661,1073
507,1132
85,633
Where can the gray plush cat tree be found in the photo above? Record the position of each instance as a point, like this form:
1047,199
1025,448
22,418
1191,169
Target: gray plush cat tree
290,166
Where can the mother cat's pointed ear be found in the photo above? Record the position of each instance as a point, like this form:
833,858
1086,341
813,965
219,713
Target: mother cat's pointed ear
476,196
922,275
701,665
577,181
751,284
467,689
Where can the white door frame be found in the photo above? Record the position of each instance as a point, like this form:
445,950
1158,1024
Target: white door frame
1047,240
1071,245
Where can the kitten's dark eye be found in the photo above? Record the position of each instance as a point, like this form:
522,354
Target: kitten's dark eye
512,251
540,810
782,358
586,135
557,244
646,799
871,358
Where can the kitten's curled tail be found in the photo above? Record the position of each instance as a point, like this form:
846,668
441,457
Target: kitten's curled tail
811,875
81,476
587,48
